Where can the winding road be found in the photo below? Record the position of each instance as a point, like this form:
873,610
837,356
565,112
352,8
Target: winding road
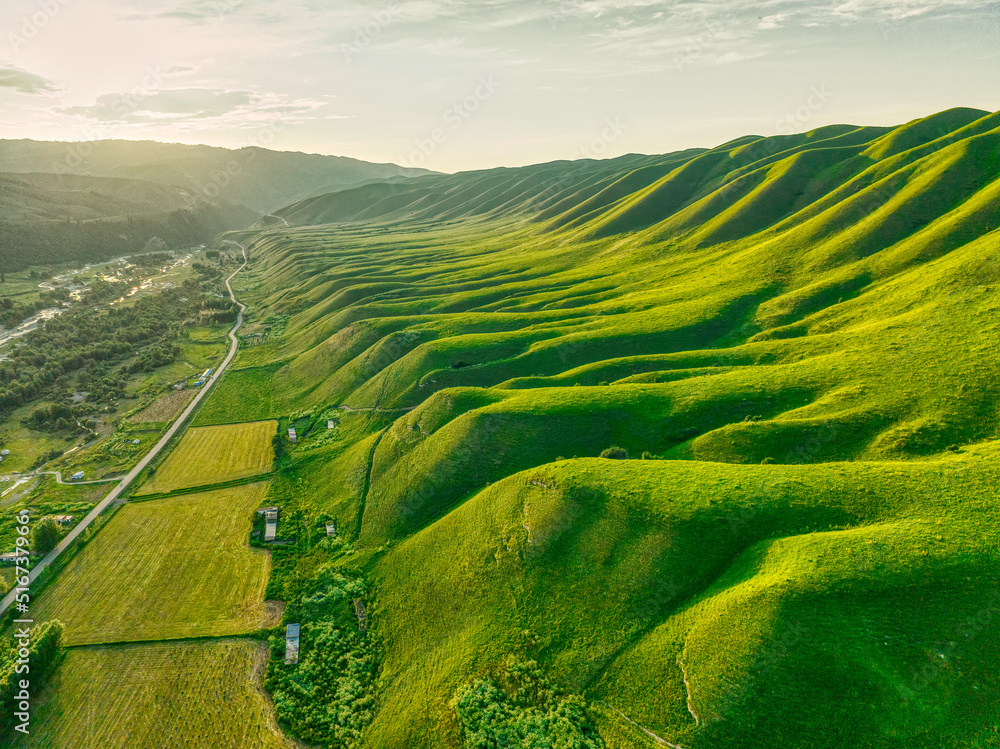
176,427
59,479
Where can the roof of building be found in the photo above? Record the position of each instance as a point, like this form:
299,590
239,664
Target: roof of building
292,630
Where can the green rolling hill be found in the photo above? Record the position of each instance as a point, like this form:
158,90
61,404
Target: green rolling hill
711,437
794,339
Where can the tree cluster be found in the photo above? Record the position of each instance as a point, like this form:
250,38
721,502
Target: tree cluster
97,349
43,656
520,707
328,698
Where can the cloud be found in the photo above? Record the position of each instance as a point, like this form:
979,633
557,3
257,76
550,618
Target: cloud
24,82
186,106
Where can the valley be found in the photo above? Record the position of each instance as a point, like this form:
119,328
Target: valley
694,450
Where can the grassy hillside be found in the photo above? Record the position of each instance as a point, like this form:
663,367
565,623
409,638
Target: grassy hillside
696,450
823,304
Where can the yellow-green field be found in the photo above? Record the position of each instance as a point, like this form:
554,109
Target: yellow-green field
170,568
184,694
209,455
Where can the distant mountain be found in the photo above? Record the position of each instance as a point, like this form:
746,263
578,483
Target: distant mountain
48,219
83,202
258,178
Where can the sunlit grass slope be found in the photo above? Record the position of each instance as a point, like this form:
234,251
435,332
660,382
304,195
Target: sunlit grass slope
804,327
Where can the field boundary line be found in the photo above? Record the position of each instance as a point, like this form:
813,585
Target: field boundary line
258,478
257,635
132,475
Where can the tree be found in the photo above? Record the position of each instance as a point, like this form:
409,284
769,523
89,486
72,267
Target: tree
45,536
614,453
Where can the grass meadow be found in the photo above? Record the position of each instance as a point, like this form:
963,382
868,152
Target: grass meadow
165,569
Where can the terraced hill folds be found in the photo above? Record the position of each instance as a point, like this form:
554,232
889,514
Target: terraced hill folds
794,340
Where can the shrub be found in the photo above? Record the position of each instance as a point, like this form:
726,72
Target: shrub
614,453
520,708
45,536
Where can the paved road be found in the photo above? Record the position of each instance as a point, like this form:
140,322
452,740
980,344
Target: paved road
173,430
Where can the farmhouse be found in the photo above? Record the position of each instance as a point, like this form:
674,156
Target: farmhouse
77,476
331,424
291,644
63,519
292,436
331,529
8,559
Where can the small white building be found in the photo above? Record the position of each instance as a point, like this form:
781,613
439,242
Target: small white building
291,644
4,453
78,476
63,519
331,529
270,522
331,424
292,436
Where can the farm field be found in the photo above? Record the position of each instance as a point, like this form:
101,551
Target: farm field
165,408
209,455
197,695
164,569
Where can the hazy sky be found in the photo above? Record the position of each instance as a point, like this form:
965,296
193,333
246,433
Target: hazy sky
460,84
